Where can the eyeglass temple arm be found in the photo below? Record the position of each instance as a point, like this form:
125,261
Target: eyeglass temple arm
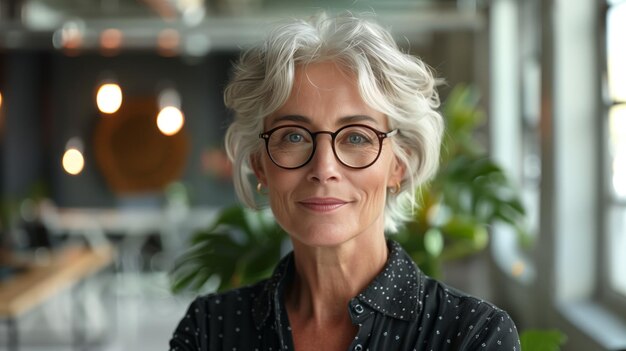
391,133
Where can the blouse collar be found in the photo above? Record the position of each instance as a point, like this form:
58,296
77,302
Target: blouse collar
395,292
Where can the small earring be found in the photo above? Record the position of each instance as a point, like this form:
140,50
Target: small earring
259,188
396,189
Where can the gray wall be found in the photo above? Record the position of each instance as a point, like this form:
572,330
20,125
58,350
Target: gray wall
50,98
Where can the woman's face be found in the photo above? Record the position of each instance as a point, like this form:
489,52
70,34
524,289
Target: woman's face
325,203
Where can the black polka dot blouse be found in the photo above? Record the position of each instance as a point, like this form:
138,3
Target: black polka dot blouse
401,309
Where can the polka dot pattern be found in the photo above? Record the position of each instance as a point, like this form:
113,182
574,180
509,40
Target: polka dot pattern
401,309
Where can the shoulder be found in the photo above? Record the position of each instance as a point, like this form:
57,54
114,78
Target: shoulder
227,300
208,315
478,322
436,292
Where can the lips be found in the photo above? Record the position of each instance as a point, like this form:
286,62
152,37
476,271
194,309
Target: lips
322,204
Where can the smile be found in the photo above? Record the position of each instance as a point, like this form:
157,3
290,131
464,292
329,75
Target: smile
322,204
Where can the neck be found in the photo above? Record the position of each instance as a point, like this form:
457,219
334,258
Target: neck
326,278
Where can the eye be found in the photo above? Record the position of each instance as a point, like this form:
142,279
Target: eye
356,139
294,137
291,136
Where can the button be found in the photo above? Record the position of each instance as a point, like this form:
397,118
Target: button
358,347
358,308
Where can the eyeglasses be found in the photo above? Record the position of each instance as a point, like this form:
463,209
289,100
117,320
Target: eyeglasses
356,145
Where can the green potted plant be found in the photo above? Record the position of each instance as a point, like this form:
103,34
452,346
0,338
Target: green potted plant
241,247
469,193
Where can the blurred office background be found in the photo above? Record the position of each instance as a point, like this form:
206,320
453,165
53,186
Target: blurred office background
85,160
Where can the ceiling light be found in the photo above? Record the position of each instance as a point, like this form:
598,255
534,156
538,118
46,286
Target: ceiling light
73,161
168,41
109,98
170,120
111,41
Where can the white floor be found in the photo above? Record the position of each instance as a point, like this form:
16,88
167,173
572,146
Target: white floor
132,312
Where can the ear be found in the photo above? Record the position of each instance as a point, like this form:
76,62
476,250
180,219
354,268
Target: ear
397,173
257,167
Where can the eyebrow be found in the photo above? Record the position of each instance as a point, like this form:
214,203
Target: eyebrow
292,118
341,121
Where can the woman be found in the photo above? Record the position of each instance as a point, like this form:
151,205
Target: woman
339,127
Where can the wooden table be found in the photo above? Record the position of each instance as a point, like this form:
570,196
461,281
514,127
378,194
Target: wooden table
39,282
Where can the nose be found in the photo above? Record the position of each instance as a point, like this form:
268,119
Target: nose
324,166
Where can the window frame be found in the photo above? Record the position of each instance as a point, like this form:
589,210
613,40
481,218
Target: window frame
605,293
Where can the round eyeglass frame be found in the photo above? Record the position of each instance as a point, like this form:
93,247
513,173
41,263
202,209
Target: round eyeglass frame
381,136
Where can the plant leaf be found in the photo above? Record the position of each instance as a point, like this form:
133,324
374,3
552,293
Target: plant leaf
542,340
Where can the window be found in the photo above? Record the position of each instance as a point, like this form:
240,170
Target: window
515,110
549,128
530,93
615,107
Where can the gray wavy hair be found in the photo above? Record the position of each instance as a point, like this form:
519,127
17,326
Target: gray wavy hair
397,84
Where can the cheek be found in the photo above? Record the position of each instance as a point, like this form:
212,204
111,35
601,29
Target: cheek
280,186
378,195
373,187
375,182
278,179
277,197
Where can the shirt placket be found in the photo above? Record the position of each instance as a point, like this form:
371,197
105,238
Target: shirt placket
362,316
283,329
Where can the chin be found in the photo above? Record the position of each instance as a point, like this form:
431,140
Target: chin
322,235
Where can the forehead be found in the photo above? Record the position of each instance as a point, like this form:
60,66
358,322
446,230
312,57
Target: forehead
323,75
325,93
